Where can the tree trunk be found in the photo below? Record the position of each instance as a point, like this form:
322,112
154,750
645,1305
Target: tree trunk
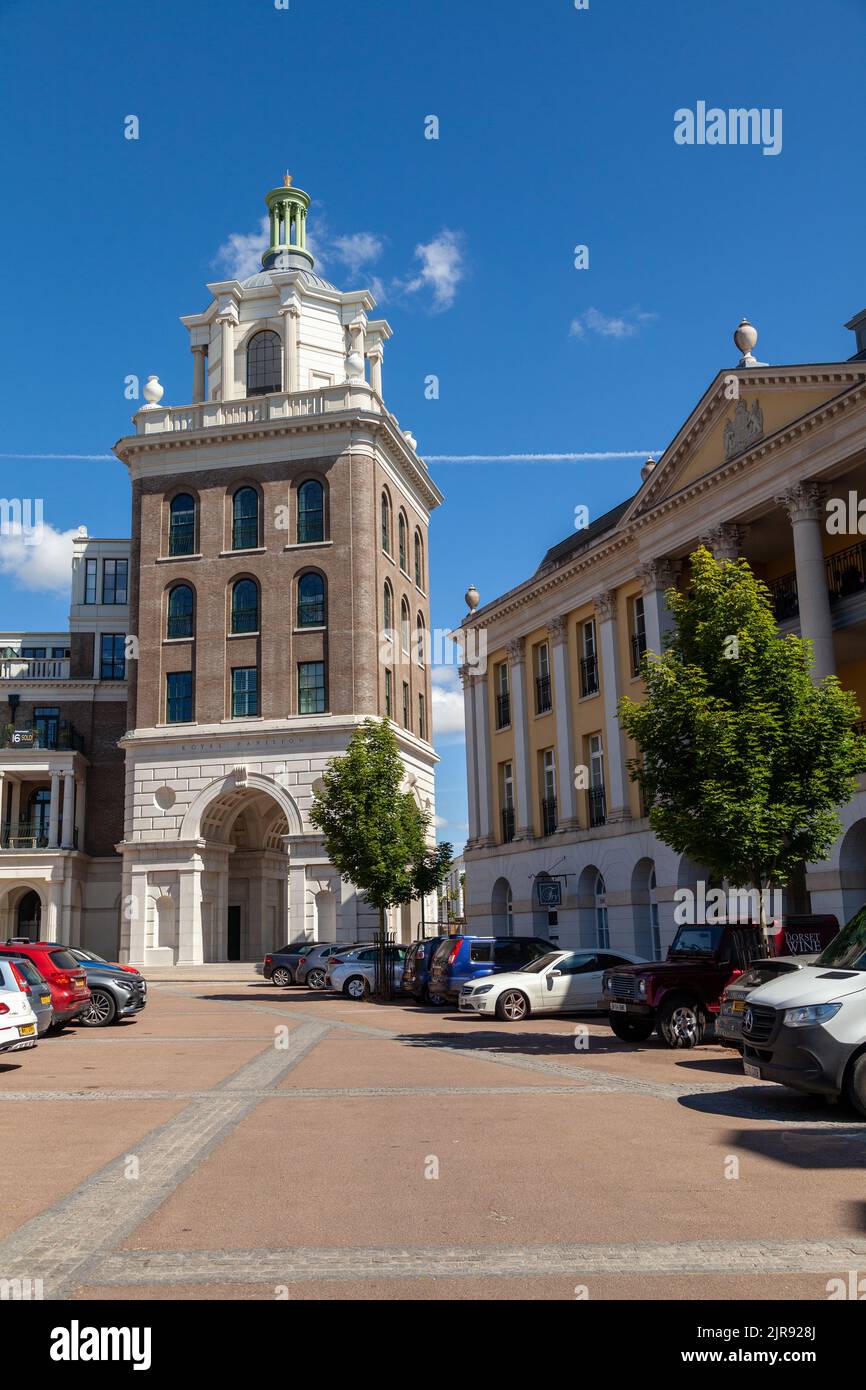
384,965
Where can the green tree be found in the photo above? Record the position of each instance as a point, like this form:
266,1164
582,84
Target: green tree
743,759
375,833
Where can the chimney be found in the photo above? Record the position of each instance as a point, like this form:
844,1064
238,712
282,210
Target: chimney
858,326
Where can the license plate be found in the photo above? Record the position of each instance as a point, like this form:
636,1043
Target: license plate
27,1030
45,999
738,1006
617,1008
752,1071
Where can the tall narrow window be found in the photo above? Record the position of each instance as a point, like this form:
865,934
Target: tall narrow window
389,694
595,793
311,687
506,796
112,656
181,534
588,660
503,698
388,609
386,523
655,925
264,364
180,610
602,928
401,529
311,601
311,512
422,717
406,723
543,699
419,560
90,581
421,641
245,606
114,581
638,635
178,697
245,519
405,625
548,791
245,692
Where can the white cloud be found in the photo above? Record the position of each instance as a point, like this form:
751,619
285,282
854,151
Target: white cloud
241,253
356,251
439,822
617,326
442,268
45,566
447,701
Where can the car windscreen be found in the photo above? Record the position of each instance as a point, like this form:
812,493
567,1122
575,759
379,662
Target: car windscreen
847,951
535,967
696,939
28,970
64,960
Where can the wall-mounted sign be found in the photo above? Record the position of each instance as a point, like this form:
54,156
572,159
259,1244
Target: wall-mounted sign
549,893
23,738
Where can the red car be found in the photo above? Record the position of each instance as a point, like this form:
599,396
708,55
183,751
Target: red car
66,979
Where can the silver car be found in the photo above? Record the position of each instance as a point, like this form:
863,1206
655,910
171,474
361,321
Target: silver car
311,969
353,973
38,992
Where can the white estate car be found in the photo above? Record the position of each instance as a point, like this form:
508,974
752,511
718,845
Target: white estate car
560,982
17,1019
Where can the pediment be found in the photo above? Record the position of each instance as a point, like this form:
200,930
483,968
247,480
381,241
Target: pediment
723,428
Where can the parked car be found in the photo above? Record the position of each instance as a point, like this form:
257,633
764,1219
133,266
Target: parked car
680,995
280,966
114,994
17,1019
729,1024
90,958
560,982
353,972
312,967
67,982
38,992
416,970
808,1030
460,959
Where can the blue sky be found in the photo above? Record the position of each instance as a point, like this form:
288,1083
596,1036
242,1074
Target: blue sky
556,129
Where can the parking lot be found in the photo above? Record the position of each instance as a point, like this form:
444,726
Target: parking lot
241,1141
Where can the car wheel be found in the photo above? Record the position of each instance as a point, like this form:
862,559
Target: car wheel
631,1029
101,1011
855,1084
429,996
282,976
512,1006
356,987
316,979
682,1023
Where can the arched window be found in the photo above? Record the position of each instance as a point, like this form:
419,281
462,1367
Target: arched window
180,611
386,523
311,601
311,512
264,364
602,929
245,519
419,560
655,925
405,623
181,531
401,531
245,606
421,639
388,609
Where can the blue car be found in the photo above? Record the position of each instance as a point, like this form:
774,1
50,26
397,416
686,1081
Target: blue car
459,959
416,970
91,961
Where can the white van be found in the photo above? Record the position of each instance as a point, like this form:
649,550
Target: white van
807,1030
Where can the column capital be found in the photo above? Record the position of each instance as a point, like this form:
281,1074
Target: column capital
805,501
558,629
469,676
605,604
516,651
658,574
725,540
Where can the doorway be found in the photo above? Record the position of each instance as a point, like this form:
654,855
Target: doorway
233,950
29,916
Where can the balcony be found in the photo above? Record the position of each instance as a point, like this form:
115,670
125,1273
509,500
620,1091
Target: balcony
28,835
846,575
588,676
596,809
548,815
508,825
29,668
255,410
55,736
503,711
638,647
543,701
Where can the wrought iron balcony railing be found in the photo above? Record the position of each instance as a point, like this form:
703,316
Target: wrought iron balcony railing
638,647
503,711
508,825
58,736
596,809
588,676
548,815
24,835
543,701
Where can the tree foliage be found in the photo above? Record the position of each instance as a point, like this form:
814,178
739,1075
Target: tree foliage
743,759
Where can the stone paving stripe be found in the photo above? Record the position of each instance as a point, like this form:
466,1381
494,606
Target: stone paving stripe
314,1093
68,1238
482,1262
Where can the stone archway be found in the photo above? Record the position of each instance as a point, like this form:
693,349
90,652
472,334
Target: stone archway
852,870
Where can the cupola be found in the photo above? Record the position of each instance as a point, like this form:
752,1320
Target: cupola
287,213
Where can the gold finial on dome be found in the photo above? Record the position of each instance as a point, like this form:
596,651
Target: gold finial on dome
287,179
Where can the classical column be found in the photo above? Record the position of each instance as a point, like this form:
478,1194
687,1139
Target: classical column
567,818
375,356
656,576
189,931
616,797
4,821
290,318
66,836
227,356
725,541
806,512
199,359
15,805
520,728
482,729
54,810
80,801
53,918
466,678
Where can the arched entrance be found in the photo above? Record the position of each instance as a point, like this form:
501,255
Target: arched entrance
852,870
28,915
244,884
